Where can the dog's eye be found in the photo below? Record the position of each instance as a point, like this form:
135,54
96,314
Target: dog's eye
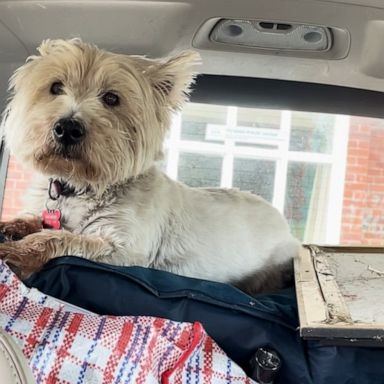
110,99
57,88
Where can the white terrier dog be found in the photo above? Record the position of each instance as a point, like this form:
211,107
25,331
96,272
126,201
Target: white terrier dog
94,123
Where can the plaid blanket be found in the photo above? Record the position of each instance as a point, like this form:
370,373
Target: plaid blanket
68,347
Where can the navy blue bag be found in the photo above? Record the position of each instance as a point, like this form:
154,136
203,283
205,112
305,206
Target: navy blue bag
240,324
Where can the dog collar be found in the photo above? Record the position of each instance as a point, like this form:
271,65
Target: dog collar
51,217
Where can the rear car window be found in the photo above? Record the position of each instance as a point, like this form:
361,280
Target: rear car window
324,172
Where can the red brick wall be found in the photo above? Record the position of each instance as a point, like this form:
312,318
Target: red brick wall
15,186
363,208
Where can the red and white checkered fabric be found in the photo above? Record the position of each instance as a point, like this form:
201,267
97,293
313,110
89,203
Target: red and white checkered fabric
73,348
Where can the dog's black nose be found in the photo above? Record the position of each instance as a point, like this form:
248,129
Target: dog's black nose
68,131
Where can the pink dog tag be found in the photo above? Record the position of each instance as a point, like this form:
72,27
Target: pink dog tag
51,219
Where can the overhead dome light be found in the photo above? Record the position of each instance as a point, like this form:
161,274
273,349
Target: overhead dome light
272,35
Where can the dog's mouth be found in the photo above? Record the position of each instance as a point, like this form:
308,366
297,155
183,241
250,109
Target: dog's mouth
67,163
57,153
72,153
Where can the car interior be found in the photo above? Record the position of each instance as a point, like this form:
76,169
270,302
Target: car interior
287,104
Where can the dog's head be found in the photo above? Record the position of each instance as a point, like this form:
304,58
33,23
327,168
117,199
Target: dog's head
91,116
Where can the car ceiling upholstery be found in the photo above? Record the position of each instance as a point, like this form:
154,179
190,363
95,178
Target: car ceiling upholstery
160,28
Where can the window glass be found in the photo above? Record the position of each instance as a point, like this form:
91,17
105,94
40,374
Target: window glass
256,176
199,121
199,170
306,199
259,118
322,171
312,132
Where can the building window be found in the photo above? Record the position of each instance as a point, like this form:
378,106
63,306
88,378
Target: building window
295,160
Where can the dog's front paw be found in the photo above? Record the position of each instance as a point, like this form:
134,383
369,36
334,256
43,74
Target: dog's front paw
19,228
27,255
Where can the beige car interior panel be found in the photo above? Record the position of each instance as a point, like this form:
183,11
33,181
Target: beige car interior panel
372,57
11,48
134,26
157,28
13,366
338,50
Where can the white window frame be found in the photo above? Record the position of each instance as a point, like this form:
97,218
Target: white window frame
280,154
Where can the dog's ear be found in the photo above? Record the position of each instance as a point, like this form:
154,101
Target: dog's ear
172,79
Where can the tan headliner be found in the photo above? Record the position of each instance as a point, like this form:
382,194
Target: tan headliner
158,28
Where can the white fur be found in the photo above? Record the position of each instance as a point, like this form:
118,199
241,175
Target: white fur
153,221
